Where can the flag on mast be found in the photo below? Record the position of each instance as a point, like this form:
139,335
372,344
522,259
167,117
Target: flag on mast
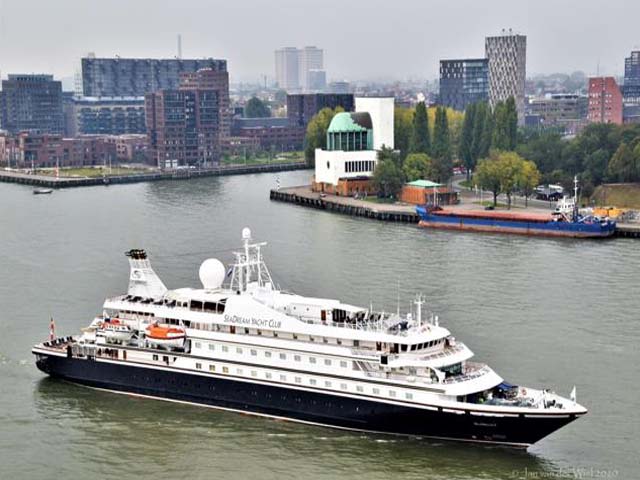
572,395
52,329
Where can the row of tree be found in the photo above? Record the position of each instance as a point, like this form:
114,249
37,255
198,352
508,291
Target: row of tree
600,153
485,129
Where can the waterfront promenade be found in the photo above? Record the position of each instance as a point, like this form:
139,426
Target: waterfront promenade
10,176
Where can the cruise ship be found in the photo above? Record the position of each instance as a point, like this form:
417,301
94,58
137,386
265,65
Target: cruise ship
241,344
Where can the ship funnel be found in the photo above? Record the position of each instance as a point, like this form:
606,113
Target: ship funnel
143,281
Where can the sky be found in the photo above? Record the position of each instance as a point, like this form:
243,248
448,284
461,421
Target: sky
362,39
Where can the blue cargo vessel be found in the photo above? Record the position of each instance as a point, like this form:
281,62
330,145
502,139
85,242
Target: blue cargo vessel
556,224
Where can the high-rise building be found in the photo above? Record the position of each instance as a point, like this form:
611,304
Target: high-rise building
106,116
463,82
605,101
31,102
288,68
562,110
135,77
507,57
182,127
311,60
631,88
210,79
302,107
316,81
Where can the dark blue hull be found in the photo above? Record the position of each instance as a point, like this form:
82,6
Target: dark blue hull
577,229
317,407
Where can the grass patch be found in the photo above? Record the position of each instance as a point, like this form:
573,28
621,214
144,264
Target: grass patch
263,159
93,172
626,195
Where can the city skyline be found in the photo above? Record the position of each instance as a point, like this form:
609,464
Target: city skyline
69,29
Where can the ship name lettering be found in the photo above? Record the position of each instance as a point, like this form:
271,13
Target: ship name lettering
252,321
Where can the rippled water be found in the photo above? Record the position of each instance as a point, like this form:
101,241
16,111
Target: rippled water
542,312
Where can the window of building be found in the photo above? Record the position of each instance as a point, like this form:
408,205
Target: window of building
283,378
312,381
225,348
392,393
198,366
283,356
376,391
327,362
327,384
155,357
312,359
343,364
212,368
239,371
254,352
343,386
238,350
212,346
225,369
408,396
298,380
267,354
254,373
359,388
267,375
296,358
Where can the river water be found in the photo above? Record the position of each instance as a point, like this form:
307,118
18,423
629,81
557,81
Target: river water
542,312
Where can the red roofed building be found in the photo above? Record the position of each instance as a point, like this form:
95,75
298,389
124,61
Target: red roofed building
605,101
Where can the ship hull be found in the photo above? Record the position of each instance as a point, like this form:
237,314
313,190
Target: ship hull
520,227
308,406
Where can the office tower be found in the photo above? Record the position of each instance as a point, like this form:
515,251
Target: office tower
288,68
605,101
463,82
507,61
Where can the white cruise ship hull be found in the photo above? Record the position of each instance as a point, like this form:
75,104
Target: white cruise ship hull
314,406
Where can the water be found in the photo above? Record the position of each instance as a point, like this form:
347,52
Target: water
542,312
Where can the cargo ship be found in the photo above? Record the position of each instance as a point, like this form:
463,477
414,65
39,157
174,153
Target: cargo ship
550,225
565,221
246,346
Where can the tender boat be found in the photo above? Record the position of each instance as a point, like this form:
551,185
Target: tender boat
112,330
42,191
165,336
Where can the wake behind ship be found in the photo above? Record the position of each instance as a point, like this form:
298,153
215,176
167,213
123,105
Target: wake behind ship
249,347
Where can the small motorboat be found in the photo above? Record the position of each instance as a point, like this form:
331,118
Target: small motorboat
114,331
166,337
42,191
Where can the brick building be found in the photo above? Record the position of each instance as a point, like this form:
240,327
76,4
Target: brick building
605,101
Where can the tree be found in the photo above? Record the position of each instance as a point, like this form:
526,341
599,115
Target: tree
420,137
441,147
419,166
510,166
402,129
388,177
622,167
256,108
529,179
316,136
500,137
487,176
465,148
480,117
511,117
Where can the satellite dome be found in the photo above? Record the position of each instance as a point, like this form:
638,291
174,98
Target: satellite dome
246,233
212,273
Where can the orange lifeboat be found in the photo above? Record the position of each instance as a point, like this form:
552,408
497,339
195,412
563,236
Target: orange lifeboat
168,337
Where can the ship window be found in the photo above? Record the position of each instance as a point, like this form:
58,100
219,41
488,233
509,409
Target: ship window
199,366
259,332
359,388
209,307
196,305
343,386
311,339
325,340
298,380
283,356
239,371
312,359
212,368
155,357
409,396
295,337
356,343
338,341
327,384
413,348
275,334
225,369
254,352
198,345
267,354
392,393
225,348
403,348
376,391
327,362
343,364
238,350
246,331
296,358
267,375
312,381
254,373
283,378
212,346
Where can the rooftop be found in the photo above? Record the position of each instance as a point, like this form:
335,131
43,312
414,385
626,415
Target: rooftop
350,122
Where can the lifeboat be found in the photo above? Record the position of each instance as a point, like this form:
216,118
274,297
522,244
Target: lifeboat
114,331
167,337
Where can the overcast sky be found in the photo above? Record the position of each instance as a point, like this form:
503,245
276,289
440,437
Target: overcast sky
361,38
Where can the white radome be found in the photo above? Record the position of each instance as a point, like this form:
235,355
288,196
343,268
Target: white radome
246,233
212,273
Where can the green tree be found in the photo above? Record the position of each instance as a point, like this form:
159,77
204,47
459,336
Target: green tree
402,129
420,137
316,135
480,116
511,118
419,166
441,147
528,180
256,108
622,167
388,177
465,148
500,139
487,176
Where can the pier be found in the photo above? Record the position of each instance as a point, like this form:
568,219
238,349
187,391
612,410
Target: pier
303,195
48,181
